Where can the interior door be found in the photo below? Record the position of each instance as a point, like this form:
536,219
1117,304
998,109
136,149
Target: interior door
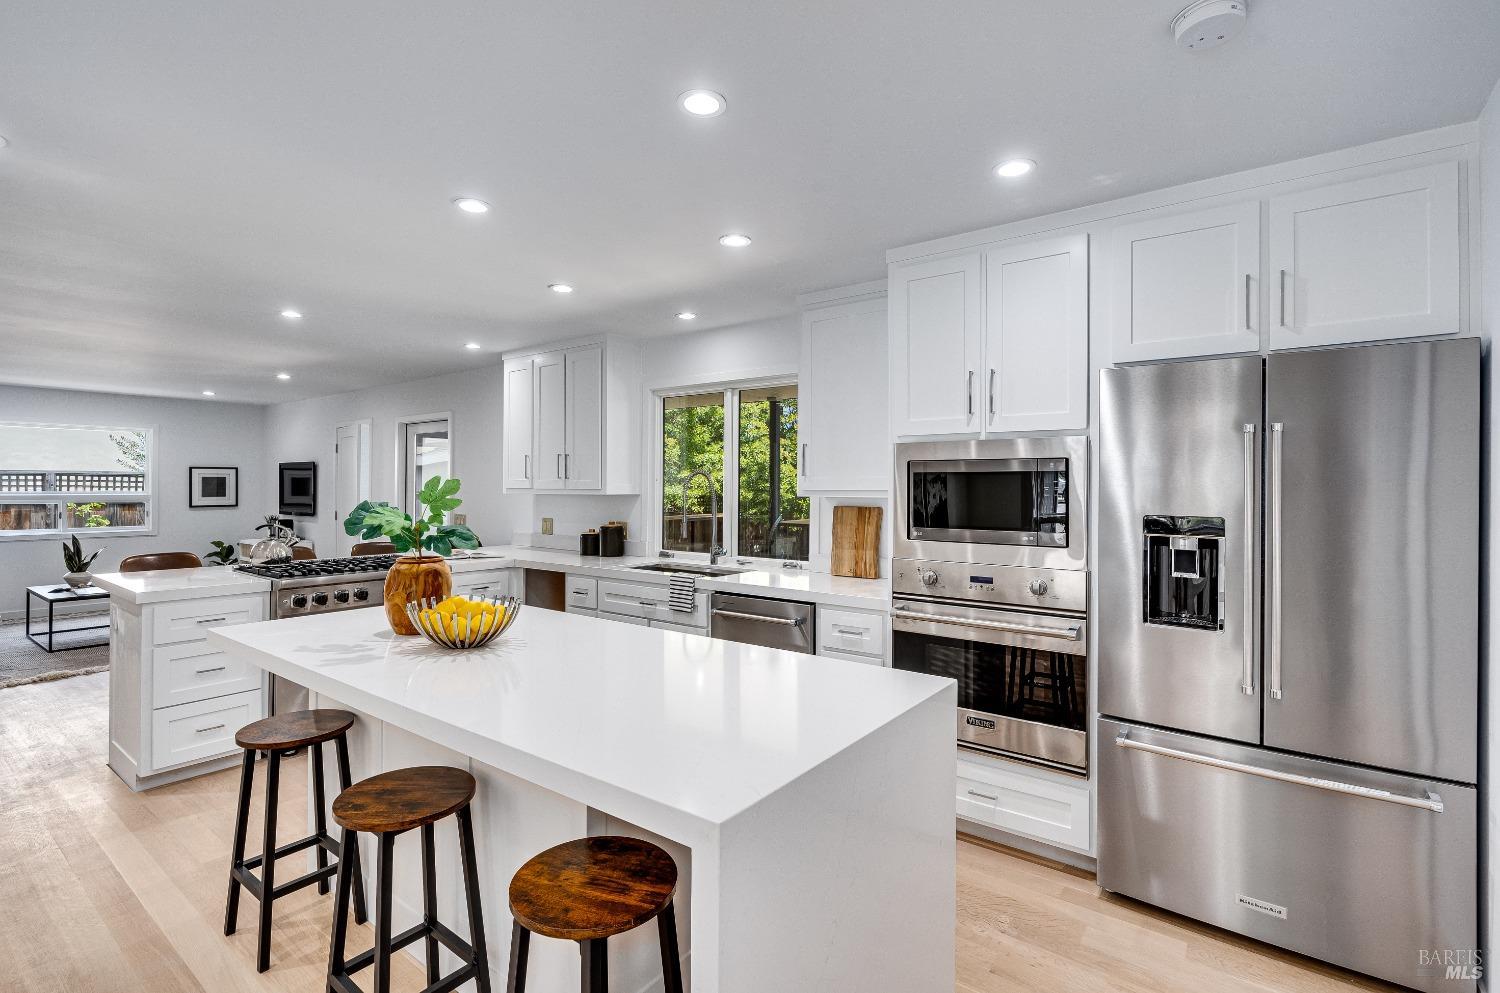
1373,572
351,480
1181,440
551,420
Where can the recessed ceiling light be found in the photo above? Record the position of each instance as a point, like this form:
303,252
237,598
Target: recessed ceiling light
208,393
292,315
283,375
471,205
473,346
1013,168
559,287
734,240
703,103
687,315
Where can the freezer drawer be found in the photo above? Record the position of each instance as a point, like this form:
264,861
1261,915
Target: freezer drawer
1351,866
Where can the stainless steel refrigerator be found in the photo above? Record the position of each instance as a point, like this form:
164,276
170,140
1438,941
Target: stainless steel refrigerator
1289,650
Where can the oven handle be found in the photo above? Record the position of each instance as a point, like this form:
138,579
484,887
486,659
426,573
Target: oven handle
1064,634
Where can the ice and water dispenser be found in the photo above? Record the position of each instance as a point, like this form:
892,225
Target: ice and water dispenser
1182,571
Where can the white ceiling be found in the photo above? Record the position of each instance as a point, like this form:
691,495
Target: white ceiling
179,172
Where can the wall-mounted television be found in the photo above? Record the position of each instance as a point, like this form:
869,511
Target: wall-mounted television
299,489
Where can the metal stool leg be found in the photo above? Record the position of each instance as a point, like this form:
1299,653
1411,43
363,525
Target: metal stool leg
341,750
336,957
429,899
520,947
320,818
471,893
595,965
671,960
237,854
383,870
268,864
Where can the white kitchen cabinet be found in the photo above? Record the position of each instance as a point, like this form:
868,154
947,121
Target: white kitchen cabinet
520,424
857,634
581,592
1186,285
583,431
1036,350
843,399
937,345
1367,260
1036,805
489,583
680,628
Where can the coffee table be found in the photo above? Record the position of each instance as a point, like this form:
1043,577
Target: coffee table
52,595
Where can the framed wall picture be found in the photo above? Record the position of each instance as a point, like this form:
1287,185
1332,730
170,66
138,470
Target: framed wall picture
213,486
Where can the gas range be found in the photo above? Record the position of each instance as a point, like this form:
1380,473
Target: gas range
315,586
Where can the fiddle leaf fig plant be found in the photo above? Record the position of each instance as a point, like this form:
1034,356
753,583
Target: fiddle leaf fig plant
428,530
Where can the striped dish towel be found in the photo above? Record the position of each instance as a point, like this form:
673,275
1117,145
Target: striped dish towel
683,590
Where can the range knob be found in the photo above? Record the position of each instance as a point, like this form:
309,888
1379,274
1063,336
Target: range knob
299,601
361,595
342,596
320,599
929,578
1038,587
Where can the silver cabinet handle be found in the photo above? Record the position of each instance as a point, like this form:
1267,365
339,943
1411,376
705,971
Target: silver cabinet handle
580,592
983,796
786,622
1247,677
211,727
992,394
1431,801
1248,327
1275,570
565,465
204,672
526,466
971,392
1066,634
1283,298
559,465
853,632
211,620
804,458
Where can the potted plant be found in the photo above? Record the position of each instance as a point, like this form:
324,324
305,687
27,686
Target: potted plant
415,576
223,554
77,564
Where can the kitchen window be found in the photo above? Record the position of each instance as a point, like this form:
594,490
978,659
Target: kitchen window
57,479
745,438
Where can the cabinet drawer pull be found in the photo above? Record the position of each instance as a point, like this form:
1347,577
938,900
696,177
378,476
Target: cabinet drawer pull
971,392
856,632
984,796
211,620
580,592
1248,326
204,672
211,727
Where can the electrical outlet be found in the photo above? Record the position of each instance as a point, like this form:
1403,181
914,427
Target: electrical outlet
459,518
546,525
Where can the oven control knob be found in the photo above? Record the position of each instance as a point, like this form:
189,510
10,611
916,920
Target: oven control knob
1038,587
299,601
361,595
320,599
342,596
929,578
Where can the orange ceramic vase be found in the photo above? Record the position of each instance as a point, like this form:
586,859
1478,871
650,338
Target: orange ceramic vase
412,579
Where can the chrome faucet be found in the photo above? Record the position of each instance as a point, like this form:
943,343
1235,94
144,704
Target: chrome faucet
714,549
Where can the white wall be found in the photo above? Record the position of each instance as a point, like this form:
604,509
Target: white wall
1489,323
188,433
304,431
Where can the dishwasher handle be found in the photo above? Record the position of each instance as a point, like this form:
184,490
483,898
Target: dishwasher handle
740,615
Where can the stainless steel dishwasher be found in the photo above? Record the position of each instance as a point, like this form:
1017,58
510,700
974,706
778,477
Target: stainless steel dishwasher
754,620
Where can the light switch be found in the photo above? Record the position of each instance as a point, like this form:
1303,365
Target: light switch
546,525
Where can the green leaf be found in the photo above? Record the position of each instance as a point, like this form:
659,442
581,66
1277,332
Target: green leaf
440,496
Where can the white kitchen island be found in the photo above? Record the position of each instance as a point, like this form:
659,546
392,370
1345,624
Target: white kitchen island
808,801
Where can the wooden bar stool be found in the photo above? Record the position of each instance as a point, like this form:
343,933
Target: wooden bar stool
388,805
276,736
588,891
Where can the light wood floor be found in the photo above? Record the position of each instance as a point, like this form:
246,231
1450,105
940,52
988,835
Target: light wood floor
104,890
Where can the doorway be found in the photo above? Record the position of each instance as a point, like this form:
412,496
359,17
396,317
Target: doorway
351,477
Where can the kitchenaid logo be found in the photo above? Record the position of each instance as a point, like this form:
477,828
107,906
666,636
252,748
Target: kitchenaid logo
1463,964
1260,906
979,722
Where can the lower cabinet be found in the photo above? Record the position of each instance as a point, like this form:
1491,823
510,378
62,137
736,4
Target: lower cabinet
855,634
1044,809
489,583
679,628
202,730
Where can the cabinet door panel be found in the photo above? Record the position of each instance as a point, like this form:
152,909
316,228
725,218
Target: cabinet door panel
583,456
551,420
937,329
1036,335
1367,260
1187,285
519,426
843,400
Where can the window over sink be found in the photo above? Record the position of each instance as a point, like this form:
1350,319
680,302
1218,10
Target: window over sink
58,479
745,438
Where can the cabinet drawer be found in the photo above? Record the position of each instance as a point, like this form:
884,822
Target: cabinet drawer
190,671
679,628
194,732
1048,811
650,602
825,653
582,591
861,632
493,583
186,620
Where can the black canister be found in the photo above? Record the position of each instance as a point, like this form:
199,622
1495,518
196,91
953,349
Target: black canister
612,540
588,543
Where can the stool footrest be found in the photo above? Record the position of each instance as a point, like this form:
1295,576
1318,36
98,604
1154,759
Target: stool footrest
411,935
253,883
293,847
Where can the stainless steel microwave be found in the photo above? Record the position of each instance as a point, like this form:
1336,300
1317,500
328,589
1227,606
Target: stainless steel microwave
1009,501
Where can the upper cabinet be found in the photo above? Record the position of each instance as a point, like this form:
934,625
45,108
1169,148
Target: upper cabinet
572,421
991,341
1367,260
842,397
1036,342
1186,285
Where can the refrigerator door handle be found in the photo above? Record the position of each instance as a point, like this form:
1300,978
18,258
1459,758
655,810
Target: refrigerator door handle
1275,565
1431,801
1247,676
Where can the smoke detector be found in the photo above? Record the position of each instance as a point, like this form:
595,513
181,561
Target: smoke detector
1208,23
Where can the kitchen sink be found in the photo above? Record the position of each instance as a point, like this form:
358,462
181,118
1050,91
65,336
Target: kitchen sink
691,568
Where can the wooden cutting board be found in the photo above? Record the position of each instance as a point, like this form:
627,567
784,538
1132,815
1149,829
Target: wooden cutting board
856,542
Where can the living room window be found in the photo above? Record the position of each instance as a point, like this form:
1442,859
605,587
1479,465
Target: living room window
58,479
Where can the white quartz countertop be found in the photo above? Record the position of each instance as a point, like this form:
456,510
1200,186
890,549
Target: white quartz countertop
615,716
179,584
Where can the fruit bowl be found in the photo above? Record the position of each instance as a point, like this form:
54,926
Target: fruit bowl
463,622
